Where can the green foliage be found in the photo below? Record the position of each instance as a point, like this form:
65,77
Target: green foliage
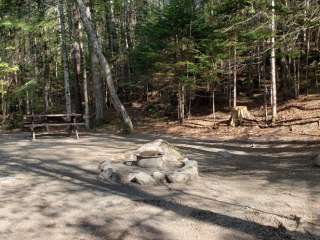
154,46
20,91
11,24
6,69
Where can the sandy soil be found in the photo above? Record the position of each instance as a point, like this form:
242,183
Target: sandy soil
254,188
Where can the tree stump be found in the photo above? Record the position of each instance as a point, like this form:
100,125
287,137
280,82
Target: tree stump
239,114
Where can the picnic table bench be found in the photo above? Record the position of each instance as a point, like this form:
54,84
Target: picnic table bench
71,121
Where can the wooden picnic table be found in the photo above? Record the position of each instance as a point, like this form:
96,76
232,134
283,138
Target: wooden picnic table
72,121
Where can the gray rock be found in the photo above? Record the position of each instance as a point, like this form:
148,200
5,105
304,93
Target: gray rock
178,177
105,170
190,164
171,156
153,163
124,174
142,178
131,156
159,176
186,174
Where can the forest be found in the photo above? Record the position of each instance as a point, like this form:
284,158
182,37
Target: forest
172,58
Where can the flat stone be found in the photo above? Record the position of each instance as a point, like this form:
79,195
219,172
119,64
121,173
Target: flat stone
149,154
170,155
154,162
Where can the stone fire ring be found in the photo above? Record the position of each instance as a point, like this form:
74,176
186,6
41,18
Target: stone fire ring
154,163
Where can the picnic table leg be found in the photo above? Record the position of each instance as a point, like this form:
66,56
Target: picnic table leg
33,135
75,128
77,134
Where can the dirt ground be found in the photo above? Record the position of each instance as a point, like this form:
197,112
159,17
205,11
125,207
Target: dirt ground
296,117
253,188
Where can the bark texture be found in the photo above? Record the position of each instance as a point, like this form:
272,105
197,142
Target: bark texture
92,35
273,66
65,58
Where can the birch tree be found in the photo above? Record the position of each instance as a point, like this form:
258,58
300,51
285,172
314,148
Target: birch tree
273,64
105,67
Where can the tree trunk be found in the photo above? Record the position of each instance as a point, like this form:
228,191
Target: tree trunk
46,95
239,114
189,103
235,76
65,58
266,103
181,103
46,78
112,29
3,103
213,107
85,82
229,80
273,66
27,102
296,94
306,37
85,94
76,59
298,75
98,87
259,68
96,78
92,35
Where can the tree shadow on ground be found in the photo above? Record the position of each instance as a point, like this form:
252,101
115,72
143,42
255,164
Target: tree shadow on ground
87,181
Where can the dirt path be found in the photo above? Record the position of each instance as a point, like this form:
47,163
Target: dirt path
253,189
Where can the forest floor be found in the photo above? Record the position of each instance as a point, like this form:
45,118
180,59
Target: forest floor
255,188
296,117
